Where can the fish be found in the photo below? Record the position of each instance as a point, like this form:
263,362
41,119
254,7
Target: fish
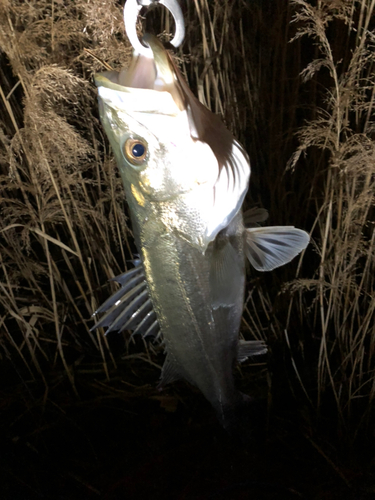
185,178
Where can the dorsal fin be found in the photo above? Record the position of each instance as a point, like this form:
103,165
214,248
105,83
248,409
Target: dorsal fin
130,307
169,373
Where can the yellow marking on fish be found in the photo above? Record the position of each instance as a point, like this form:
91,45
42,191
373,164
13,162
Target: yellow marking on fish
145,182
137,195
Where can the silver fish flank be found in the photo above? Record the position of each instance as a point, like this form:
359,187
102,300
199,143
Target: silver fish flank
185,179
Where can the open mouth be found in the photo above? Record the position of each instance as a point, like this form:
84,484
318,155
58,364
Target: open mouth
149,73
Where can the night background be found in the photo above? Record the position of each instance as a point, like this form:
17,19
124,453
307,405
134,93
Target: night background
80,413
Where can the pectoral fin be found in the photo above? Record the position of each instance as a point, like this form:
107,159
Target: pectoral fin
270,247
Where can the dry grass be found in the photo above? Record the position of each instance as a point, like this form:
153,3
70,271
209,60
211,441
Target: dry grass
64,227
341,309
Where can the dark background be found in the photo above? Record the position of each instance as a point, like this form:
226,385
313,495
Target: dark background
80,413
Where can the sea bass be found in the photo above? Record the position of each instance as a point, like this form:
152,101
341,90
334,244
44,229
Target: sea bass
185,179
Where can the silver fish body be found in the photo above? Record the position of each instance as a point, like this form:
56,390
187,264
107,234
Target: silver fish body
185,179
201,340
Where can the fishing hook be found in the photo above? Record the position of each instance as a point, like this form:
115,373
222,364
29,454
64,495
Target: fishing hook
132,9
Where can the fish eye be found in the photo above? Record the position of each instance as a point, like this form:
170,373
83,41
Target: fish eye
135,151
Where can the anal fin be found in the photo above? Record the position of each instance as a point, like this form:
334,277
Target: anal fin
248,348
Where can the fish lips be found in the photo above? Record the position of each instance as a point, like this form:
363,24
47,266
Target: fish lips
144,73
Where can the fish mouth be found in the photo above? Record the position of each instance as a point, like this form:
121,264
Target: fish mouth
148,73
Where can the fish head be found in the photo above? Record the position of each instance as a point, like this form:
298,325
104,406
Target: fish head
170,148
